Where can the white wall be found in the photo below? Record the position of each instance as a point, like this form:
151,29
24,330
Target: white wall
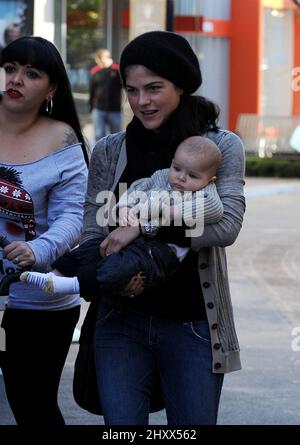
43,22
213,52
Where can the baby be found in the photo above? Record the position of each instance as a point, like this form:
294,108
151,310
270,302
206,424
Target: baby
186,189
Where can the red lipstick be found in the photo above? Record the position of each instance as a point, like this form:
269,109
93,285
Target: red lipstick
14,94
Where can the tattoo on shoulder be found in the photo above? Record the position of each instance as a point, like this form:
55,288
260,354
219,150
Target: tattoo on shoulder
69,138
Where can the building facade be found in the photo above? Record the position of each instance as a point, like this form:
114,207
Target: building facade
249,50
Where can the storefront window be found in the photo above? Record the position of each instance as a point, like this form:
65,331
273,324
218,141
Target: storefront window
15,20
93,24
277,65
86,31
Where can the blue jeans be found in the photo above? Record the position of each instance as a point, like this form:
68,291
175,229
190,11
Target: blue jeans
132,348
105,122
155,259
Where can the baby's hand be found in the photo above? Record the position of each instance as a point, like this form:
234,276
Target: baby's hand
135,286
132,217
128,217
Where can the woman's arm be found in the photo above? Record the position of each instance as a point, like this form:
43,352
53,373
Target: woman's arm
152,194
99,180
230,186
137,194
201,207
65,208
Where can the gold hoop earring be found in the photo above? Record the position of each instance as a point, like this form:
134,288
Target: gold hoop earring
49,105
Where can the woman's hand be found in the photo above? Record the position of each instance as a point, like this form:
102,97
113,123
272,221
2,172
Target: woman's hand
118,239
135,286
19,253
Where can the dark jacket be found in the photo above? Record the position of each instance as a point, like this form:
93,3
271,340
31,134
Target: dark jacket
105,88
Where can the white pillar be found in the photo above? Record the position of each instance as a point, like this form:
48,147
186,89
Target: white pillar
43,21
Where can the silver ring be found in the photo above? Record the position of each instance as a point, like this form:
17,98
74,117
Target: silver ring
132,295
16,260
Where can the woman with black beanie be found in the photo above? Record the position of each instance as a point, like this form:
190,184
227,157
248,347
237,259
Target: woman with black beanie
171,346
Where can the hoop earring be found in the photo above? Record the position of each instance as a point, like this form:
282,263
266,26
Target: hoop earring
49,105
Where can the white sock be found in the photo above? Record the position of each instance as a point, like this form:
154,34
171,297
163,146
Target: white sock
51,283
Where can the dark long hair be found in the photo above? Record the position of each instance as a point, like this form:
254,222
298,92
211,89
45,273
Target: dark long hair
195,115
43,55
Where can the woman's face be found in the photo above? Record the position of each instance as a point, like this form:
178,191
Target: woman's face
151,97
26,87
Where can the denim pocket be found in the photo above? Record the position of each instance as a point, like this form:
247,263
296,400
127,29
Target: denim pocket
201,330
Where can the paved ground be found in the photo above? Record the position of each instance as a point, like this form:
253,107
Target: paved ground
265,284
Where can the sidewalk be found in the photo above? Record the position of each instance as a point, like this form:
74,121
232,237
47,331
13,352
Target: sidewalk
265,283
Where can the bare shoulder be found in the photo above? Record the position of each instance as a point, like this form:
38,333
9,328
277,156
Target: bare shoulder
62,134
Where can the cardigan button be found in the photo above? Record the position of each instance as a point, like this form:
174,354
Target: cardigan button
217,346
203,266
214,326
217,365
206,285
210,305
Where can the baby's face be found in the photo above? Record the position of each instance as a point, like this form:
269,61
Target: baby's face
186,173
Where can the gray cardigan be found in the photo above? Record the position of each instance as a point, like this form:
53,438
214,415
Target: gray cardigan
107,165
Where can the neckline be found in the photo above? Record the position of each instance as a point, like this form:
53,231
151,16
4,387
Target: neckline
43,157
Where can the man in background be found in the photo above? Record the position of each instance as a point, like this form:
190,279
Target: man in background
105,94
12,32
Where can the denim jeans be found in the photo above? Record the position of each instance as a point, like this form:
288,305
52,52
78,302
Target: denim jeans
105,122
131,348
155,259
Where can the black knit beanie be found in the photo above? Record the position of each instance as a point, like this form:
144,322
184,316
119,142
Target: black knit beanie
167,54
